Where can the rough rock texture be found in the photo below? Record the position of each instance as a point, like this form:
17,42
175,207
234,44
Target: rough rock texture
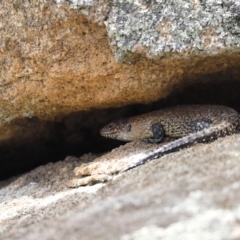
191,194
61,57
104,167
154,28
55,57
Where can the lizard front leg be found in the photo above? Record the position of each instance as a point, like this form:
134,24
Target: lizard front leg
158,134
207,134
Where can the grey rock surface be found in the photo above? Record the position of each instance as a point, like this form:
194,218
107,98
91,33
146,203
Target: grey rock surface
191,194
157,28
57,58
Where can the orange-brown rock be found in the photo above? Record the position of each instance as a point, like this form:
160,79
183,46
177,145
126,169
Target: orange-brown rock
55,60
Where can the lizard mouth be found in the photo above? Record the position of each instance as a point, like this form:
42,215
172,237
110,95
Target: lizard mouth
110,131
108,134
116,130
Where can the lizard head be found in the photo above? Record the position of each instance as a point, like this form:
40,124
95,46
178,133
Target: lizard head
119,130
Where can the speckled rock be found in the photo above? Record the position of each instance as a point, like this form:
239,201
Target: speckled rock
182,28
56,58
64,56
61,59
190,194
155,28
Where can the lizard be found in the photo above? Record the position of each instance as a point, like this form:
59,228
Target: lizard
186,124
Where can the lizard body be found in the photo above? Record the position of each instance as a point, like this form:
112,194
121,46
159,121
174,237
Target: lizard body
190,124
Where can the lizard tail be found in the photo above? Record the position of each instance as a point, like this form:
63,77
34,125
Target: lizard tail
219,130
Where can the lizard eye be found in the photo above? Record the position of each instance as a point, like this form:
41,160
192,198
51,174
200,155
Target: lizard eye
111,125
128,127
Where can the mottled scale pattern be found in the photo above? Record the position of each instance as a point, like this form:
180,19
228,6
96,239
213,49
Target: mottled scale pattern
190,123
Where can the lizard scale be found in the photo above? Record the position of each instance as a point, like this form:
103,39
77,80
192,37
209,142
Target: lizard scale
187,124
